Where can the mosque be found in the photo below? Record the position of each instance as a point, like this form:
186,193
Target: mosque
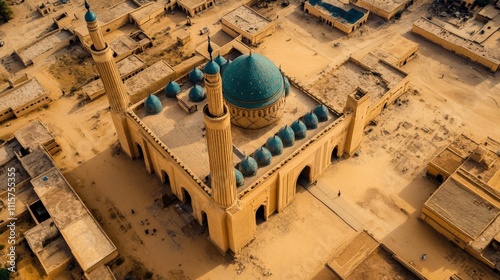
238,159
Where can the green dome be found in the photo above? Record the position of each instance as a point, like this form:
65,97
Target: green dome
287,136
195,76
248,167
321,112
152,105
240,180
172,89
211,68
262,156
90,16
287,85
311,120
197,94
252,81
300,129
274,145
220,60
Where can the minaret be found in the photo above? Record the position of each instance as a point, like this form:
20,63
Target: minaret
219,140
111,79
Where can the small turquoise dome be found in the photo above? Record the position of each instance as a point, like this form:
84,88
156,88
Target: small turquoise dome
274,145
90,16
311,120
211,68
172,89
195,76
300,129
262,156
287,136
287,85
153,105
252,81
240,180
197,94
321,112
248,167
223,67
220,60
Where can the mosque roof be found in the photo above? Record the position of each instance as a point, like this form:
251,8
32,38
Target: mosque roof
287,135
172,89
300,129
195,76
197,94
89,15
153,105
211,68
321,112
274,145
240,180
263,156
311,120
248,167
252,81
220,60
287,85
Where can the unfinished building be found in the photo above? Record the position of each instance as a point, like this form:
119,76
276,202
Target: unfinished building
479,46
246,22
337,14
65,231
26,96
466,206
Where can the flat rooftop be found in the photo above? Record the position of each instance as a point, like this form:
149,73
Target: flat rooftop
191,4
123,44
152,74
116,11
450,158
18,96
147,9
386,5
33,134
466,210
342,81
37,162
183,133
338,9
395,49
87,241
484,163
44,45
246,19
21,174
445,32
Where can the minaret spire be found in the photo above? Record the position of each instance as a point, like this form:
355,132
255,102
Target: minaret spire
210,50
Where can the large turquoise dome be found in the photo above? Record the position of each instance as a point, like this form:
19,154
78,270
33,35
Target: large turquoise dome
252,81
152,105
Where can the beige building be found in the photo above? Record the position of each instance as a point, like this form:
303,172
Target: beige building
192,7
26,96
479,47
397,50
337,14
386,9
246,22
466,206
234,155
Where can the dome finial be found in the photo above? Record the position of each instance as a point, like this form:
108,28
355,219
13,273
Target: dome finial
210,50
87,6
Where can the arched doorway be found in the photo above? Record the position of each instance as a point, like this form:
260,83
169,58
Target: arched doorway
168,196
335,154
186,203
304,180
204,222
260,215
139,151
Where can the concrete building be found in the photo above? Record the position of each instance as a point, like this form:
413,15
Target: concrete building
23,98
337,14
238,160
192,7
246,22
466,206
386,9
397,50
479,46
65,231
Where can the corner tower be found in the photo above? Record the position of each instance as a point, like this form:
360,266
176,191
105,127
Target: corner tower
219,140
110,77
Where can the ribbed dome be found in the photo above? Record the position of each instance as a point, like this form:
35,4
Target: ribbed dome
197,94
248,167
152,105
240,180
300,129
220,60
287,136
311,120
172,89
90,16
262,156
274,145
321,112
195,76
287,85
252,81
211,68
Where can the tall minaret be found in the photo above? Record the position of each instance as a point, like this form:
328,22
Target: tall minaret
110,77
219,140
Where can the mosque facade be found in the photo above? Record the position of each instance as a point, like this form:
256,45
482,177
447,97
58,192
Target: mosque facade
241,156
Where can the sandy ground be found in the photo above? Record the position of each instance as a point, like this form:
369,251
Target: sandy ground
385,185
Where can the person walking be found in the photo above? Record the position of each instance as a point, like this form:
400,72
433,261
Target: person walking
338,194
